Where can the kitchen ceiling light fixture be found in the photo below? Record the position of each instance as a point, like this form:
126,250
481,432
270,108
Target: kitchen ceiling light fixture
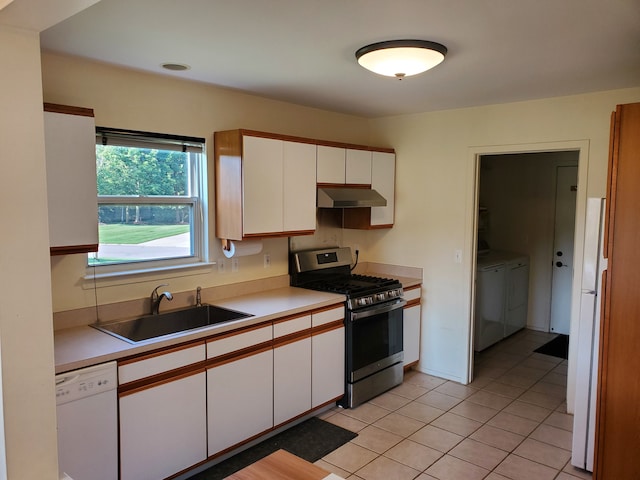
176,67
401,58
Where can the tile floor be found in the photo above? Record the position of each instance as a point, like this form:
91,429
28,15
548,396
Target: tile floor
510,423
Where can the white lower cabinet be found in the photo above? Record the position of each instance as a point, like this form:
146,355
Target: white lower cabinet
163,428
327,356
411,326
239,400
291,380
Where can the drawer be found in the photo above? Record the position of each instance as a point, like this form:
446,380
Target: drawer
412,294
291,325
327,316
155,363
238,341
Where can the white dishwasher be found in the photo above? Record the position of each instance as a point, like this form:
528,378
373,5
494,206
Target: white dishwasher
87,413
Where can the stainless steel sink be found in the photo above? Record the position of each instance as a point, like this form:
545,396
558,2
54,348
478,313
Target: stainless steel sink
170,323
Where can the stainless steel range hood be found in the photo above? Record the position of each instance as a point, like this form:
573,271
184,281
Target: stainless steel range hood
349,198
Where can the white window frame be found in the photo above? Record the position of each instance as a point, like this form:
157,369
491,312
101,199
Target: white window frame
198,199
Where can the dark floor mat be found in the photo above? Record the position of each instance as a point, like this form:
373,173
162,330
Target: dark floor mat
558,347
310,440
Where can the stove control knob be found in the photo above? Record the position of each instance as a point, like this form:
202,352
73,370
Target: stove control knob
381,296
393,293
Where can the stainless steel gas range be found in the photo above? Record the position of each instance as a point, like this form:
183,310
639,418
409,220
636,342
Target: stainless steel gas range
374,310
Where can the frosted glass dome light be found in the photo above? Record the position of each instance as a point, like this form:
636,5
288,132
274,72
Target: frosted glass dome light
401,58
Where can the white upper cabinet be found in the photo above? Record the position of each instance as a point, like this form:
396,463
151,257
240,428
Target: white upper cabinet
383,179
264,186
358,167
299,164
331,164
343,166
70,148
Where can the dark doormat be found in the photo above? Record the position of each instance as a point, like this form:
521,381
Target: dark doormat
558,347
310,440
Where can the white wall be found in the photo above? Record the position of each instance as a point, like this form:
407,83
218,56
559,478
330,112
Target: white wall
26,330
435,197
136,100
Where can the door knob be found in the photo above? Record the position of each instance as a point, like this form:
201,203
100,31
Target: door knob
559,264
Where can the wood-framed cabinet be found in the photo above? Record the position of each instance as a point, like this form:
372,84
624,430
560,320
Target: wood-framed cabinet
411,326
327,355
617,413
72,194
265,187
239,386
161,405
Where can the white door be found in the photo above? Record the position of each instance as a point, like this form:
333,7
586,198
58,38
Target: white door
562,277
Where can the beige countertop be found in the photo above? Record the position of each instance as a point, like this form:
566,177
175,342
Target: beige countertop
82,346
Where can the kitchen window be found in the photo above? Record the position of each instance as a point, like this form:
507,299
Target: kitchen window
151,201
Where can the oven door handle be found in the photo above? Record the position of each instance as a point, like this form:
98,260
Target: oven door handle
384,308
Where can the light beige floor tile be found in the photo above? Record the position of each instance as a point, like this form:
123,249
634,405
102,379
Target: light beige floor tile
423,380
561,369
560,420
480,381
332,468
478,453
327,413
349,423
555,378
383,468
516,380
541,399
550,389
438,400
389,401
424,476
474,411
491,400
540,363
456,390
495,476
399,424
409,391
562,408
497,437
518,468
527,410
436,438
566,476
546,358
452,468
413,455
528,372
513,423
553,436
503,389
491,371
576,472
350,457
367,412
456,424
543,453
376,439
420,411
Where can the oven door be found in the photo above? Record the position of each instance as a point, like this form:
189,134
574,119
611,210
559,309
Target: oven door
374,339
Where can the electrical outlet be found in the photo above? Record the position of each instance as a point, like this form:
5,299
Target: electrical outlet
457,256
356,248
234,264
267,260
221,265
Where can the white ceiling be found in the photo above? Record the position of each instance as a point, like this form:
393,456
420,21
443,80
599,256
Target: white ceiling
302,51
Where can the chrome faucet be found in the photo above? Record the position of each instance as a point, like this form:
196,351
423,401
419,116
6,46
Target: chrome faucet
157,298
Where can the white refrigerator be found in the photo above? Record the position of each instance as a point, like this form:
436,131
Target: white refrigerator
594,265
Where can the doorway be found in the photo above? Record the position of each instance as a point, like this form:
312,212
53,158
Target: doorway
518,195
